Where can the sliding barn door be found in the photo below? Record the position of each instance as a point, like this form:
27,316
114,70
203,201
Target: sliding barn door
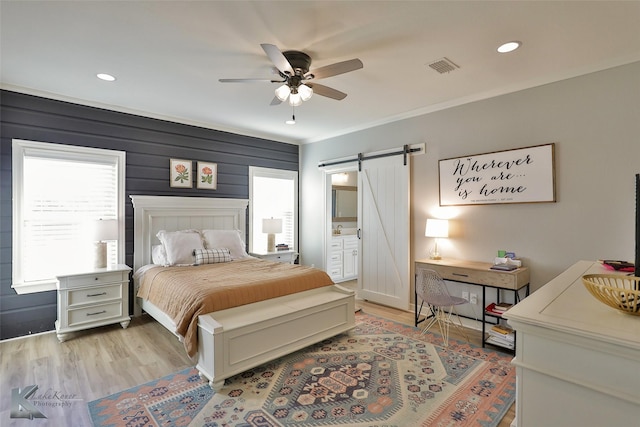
384,222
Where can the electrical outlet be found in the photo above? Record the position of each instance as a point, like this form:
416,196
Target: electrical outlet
474,299
465,295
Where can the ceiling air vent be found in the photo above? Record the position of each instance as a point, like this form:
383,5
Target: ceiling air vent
443,65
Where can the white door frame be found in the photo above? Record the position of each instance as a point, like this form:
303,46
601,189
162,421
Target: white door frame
347,164
328,232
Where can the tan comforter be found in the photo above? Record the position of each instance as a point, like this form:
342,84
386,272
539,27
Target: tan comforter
184,293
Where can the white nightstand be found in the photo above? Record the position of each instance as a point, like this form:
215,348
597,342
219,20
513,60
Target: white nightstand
278,256
93,297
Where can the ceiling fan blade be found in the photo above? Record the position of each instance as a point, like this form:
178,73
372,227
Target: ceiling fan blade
275,101
323,90
278,59
249,80
337,68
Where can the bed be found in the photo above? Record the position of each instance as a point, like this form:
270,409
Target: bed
231,340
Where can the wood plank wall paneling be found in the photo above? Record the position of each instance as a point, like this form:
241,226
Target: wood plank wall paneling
149,144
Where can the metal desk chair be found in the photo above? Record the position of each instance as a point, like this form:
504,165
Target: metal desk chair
432,290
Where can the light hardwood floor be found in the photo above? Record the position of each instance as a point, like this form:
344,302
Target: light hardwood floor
103,361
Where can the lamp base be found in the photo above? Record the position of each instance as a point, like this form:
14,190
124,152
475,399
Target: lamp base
271,242
435,254
100,255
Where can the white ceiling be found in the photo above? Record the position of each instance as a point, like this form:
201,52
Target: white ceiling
168,55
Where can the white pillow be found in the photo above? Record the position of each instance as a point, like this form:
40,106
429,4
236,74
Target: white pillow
179,245
226,239
159,255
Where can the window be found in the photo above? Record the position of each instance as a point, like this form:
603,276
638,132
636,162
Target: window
273,194
59,194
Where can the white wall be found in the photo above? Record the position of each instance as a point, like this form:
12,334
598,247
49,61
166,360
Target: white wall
594,121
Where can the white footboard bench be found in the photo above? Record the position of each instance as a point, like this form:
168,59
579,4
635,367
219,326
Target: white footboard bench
234,340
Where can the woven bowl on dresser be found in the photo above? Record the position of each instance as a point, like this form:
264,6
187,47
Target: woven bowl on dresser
615,290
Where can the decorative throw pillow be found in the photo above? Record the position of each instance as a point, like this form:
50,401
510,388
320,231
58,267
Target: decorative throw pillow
212,256
226,239
179,245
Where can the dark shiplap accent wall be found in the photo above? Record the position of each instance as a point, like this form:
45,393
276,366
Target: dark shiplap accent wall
149,144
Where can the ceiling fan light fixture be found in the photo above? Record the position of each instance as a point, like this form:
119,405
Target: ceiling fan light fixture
295,99
283,92
305,92
293,68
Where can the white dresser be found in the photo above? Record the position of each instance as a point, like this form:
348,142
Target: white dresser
577,360
94,297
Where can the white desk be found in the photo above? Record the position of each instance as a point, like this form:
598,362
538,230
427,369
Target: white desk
577,360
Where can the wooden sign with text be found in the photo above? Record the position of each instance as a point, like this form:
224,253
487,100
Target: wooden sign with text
523,175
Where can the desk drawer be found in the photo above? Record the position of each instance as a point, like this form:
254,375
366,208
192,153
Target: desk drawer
488,277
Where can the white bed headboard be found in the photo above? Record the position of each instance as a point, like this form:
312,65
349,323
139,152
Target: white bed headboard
172,213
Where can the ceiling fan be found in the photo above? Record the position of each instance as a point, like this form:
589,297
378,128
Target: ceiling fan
293,68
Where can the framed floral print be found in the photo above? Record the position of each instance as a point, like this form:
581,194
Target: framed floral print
180,173
207,175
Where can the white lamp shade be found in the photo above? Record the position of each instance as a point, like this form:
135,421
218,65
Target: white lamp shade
437,228
106,229
305,92
272,226
283,92
295,99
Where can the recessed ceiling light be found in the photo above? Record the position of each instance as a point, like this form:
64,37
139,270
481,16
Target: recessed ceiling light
509,47
105,77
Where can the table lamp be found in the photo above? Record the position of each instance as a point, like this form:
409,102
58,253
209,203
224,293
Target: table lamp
271,227
436,228
105,229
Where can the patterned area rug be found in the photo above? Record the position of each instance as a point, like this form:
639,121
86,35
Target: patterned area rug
382,373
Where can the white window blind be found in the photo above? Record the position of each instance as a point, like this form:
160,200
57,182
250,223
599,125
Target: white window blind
273,194
60,192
